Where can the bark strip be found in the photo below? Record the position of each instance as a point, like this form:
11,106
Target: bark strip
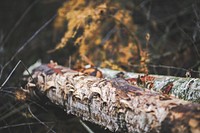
180,87
114,103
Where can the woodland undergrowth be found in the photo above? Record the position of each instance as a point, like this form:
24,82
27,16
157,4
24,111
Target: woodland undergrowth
148,37
103,32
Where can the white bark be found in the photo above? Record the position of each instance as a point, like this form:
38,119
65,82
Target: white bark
183,88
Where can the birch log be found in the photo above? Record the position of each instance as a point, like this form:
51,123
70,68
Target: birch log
180,87
114,103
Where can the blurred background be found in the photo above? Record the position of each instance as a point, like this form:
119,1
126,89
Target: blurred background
173,29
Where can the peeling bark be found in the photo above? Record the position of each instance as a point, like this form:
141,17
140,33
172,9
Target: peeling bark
180,87
114,103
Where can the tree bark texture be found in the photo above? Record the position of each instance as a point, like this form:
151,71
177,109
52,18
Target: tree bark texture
114,103
180,87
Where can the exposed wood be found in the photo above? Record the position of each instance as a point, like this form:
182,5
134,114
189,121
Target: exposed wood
114,103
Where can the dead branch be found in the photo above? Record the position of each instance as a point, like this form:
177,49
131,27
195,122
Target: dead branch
181,87
114,103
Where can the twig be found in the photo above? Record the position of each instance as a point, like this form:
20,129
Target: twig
24,124
39,119
10,74
86,127
18,22
27,42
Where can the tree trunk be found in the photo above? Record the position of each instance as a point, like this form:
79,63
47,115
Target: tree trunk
114,103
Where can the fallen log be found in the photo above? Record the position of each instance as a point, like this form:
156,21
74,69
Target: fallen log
181,87
113,103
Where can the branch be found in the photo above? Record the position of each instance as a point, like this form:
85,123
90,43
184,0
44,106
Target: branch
114,103
183,88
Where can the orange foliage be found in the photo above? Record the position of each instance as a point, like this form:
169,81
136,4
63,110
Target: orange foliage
102,31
